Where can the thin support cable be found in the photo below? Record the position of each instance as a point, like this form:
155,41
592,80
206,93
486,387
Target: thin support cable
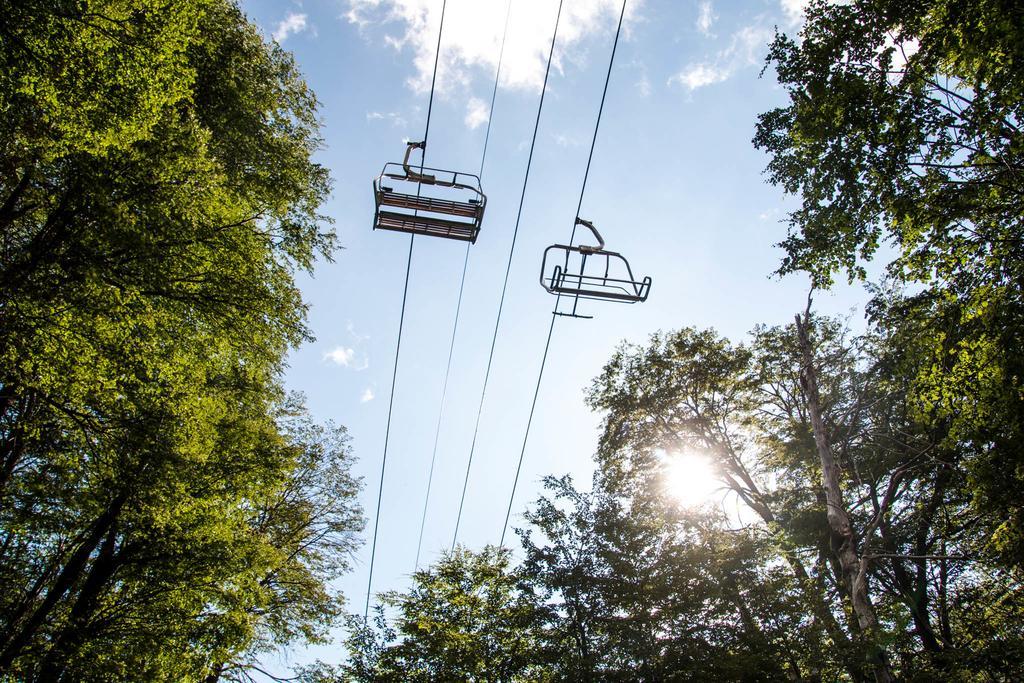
522,451
401,323
462,284
597,125
433,82
554,313
440,412
387,430
508,268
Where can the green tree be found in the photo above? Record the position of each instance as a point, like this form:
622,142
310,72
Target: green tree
903,129
306,529
470,617
166,513
646,590
627,584
620,583
917,548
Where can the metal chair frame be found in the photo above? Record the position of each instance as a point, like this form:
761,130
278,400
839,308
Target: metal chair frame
581,285
413,212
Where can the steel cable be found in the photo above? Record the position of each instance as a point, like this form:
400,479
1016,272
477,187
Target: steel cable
508,268
554,313
462,285
401,323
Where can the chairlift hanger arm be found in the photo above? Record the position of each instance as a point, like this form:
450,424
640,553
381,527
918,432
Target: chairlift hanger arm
587,249
414,175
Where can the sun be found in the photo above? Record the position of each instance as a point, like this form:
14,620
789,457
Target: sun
689,478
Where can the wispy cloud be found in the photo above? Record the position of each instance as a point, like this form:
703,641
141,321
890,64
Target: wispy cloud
290,25
394,118
473,30
698,75
341,355
746,48
367,395
353,356
705,18
563,140
477,113
643,86
794,10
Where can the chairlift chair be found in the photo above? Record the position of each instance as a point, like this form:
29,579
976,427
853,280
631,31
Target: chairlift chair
428,201
591,272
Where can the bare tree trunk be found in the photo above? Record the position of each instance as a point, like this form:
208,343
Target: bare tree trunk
854,568
824,620
70,574
76,629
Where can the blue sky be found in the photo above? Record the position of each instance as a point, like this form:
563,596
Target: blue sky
676,186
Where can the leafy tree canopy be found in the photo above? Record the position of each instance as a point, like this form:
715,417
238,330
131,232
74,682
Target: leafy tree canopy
166,511
903,129
628,584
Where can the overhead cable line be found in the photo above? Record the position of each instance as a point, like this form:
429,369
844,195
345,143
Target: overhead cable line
554,313
401,323
508,268
462,285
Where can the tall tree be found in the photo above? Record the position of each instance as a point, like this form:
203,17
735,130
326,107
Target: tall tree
647,590
904,128
162,509
470,617
909,536
854,553
853,565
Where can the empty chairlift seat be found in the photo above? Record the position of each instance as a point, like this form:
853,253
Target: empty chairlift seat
428,201
591,272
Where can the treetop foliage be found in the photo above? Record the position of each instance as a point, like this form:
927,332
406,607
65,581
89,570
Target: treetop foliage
626,583
167,511
904,128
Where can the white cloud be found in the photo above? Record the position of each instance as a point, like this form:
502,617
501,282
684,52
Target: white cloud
472,35
477,113
698,75
794,10
705,18
351,329
293,23
747,47
643,86
394,118
341,355
367,395
563,140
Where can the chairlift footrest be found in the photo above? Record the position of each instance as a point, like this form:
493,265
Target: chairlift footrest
425,225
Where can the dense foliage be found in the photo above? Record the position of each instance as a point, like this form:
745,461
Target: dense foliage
903,131
627,584
166,511
470,617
